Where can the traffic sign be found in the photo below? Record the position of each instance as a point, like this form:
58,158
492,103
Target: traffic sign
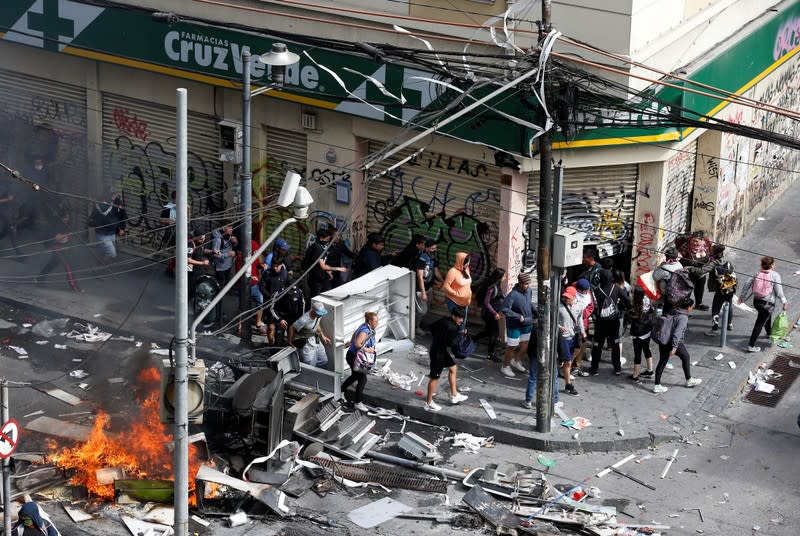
9,438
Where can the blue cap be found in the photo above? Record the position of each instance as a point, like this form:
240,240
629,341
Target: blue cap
282,244
583,284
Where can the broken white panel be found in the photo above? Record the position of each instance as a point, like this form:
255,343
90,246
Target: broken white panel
377,512
139,527
764,387
76,514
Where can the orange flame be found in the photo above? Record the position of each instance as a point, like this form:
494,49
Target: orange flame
142,451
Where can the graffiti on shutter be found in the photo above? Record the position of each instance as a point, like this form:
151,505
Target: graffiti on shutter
680,184
454,200
139,163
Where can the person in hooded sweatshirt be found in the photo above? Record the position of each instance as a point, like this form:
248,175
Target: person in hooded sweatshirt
33,521
457,285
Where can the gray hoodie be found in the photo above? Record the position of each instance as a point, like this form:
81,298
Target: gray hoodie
663,273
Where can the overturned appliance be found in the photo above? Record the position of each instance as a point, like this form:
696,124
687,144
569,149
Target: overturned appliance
252,409
418,449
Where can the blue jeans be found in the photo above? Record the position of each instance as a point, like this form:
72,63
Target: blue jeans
533,374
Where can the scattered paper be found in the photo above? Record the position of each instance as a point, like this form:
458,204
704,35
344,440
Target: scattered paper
79,374
97,315
84,386
718,357
577,423
19,349
27,325
42,343
60,346
470,442
732,364
116,380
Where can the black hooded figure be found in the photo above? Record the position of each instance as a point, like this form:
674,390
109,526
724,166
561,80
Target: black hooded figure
32,521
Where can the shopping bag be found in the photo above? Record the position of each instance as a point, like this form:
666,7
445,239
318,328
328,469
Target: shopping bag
649,286
780,327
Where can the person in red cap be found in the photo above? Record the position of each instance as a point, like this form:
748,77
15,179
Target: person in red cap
569,329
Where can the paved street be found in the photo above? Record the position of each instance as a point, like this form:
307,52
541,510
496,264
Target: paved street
735,462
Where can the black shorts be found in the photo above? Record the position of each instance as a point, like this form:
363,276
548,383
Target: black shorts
439,363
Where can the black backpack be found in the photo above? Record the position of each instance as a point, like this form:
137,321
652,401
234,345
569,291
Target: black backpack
679,287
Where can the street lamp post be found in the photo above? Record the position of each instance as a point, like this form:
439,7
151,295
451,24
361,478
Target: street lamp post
277,59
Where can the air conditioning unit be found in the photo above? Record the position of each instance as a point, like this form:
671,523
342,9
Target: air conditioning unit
196,379
230,142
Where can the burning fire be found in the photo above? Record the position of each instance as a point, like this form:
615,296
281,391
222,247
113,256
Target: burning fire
142,451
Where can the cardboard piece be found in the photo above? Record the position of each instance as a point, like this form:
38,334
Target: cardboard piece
375,513
56,427
143,528
76,515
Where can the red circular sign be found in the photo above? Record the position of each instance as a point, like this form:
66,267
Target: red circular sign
9,438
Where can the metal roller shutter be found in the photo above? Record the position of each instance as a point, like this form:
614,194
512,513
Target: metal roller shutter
45,119
139,162
599,201
451,199
680,186
287,150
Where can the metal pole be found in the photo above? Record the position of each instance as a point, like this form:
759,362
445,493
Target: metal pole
181,526
221,294
725,315
544,349
555,282
7,462
247,198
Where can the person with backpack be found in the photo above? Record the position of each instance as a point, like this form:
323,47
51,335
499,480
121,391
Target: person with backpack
722,282
766,289
609,299
491,297
668,332
445,333
663,274
639,318
591,268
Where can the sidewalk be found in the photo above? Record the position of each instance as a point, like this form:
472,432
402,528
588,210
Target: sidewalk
140,300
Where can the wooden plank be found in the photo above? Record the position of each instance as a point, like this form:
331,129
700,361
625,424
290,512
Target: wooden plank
59,428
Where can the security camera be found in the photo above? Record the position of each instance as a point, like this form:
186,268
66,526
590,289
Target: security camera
290,185
302,202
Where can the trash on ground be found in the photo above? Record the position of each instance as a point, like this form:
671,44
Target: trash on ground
470,442
488,408
47,328
60,346
5,324
377,512
79,374
88,333
732,364
577,423
718,357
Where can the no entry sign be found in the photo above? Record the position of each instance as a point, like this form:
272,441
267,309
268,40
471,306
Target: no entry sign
9,438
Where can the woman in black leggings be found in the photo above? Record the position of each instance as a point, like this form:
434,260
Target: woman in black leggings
679,319
363,340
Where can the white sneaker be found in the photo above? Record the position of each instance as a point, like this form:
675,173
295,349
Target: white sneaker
622,361
361,407
458,398
506,371
691,382
571,378
433,406
670,366
660,389
519,366
753,349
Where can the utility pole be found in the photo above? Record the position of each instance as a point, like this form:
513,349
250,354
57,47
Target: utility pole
247,201
545,342
181,454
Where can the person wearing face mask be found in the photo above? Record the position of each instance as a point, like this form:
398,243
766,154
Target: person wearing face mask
222,248
108,219
33,520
